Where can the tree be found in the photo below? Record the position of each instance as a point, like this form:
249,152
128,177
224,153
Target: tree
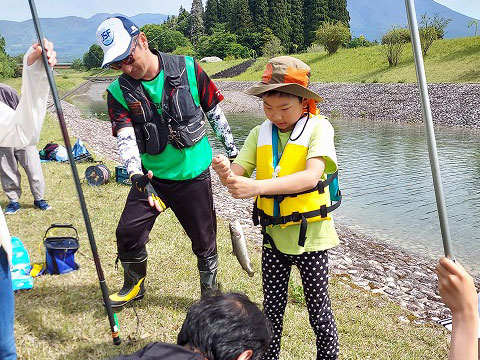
431,30
272,45
77,64
331,36
337,11
162,38
182,22
474,22
197,28
8,65
242,21
296,25
315,13
259,9
279,21
211,15
393,43
222,44
93,58
439,23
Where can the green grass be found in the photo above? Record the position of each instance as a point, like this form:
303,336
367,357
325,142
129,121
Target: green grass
448,61
215,67
62,316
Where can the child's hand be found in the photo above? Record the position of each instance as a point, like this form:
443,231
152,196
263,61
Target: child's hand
221,165
241,187
456,288
37,52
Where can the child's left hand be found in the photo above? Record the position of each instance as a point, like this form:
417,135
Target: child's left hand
241,187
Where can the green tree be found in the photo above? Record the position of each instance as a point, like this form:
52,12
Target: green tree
221,43
393,43
162,38
259,10
473,22
77,64
93,58
182,22
225,10
242,21
211,15
331,36
196,26
337,11
296,25
279,21
315,13
272,45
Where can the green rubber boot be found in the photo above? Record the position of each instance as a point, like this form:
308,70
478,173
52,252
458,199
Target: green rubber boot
134,265
207,268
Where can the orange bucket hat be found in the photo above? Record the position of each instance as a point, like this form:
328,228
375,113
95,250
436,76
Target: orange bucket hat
289,75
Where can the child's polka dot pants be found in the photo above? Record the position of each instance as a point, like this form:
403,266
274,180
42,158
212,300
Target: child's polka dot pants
313,268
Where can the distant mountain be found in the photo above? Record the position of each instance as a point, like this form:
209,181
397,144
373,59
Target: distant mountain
373,18
72,35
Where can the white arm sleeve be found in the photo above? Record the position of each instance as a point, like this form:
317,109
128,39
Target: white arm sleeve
128,150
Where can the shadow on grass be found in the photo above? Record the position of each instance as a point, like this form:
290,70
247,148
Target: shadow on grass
471,49
469,76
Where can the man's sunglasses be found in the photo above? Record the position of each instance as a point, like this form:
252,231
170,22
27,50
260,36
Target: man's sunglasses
117,65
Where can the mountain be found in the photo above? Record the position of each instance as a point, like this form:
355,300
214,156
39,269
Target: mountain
72,35
373,18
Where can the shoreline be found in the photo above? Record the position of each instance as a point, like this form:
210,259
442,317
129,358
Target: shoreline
362,262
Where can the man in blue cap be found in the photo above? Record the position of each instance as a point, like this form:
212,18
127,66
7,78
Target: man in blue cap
157,108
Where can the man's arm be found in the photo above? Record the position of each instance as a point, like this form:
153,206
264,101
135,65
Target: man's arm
21,127
220,126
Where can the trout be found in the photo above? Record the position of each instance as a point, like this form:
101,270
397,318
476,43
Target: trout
239,246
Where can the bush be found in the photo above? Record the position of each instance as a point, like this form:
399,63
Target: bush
184,50
360,42
77,64
221,43
431,30
393,43
332,36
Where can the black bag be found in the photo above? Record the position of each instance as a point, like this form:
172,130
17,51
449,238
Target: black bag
60,251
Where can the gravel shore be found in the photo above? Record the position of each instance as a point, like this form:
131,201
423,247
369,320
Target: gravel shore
363,262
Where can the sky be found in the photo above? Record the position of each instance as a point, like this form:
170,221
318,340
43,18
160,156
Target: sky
18,10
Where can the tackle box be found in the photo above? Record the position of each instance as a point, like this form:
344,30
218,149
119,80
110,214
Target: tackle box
121,175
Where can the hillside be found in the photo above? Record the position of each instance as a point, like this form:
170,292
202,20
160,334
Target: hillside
449,61
372,20
72,35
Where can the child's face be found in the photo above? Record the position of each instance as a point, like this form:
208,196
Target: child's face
283,111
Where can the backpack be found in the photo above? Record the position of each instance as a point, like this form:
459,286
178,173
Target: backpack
60,251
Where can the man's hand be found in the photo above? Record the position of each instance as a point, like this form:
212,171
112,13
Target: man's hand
221,165
142,183
37,53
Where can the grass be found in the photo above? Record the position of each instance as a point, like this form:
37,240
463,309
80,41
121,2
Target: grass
448,61
215,67
62,316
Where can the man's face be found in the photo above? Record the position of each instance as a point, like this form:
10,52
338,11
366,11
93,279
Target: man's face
140,64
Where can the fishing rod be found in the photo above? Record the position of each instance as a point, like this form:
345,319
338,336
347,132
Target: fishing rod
427,119
83,205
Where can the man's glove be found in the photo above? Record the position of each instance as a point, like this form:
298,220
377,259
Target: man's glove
142,183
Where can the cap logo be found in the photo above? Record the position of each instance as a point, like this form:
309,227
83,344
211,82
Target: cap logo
107,37
133,28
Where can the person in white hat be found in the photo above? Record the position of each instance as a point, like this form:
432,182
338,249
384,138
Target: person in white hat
157,108
19,128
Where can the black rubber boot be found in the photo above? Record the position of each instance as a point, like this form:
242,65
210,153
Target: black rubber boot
134,265
207,268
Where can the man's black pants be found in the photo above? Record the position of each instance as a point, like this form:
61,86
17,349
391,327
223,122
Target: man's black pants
190,200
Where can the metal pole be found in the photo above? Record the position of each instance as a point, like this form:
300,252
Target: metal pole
83,205
427,119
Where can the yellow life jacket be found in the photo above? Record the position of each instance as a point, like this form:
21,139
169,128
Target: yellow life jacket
288,209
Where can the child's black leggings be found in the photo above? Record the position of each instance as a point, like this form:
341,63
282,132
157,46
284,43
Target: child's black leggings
313,268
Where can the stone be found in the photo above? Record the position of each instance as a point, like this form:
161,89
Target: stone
210,59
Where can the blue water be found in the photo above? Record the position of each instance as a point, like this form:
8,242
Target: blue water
387,185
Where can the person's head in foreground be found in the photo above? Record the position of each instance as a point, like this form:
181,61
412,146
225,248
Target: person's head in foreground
126,48
225,327
458,292
284,91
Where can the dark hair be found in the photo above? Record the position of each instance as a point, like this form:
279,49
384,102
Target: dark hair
281,94
223,326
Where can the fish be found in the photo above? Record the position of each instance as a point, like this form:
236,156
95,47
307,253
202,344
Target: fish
239,246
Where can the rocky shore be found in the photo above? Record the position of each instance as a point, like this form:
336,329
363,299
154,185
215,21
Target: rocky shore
451,104
362,262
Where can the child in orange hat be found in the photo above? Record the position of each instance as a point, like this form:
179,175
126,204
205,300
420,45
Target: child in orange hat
292,151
